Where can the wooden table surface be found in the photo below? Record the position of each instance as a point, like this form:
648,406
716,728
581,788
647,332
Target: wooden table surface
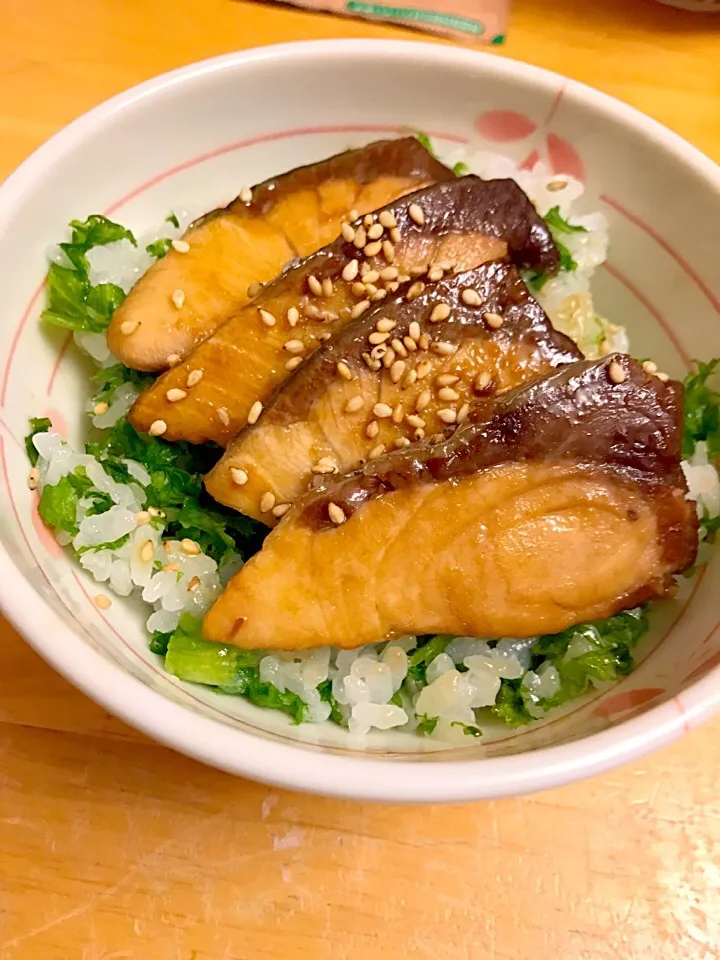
114,848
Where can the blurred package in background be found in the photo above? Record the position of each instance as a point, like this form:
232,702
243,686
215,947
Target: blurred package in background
699,6
469,21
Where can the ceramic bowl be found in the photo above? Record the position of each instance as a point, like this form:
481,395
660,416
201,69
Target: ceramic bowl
192,137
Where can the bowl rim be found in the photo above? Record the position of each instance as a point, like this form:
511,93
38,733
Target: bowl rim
357,775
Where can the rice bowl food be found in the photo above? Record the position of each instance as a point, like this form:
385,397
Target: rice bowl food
132,508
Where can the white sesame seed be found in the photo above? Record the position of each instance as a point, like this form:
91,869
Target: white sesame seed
102,601
435,274
424,341
379,295
463,412
415,290
190,548
193,585
410,344
267,318
246,195
376,452
360,238
399,347
178,298
650,366
327,287
255,411
389,273
414,330
353,215
33,478
129,326
347,232
314,285
482,381
414,420
370,276
423,369
386,219
395,235
254,289
380,352
182,246
322,337
423,400
359,309
194,377
447,415
267,501
368,220
154,512
398,413
401,442
663,377
385,325
371,290
294,346
448,394
446,379
100,408
358,289
419,269
419,434
239,476
382,410
389,250
470,297
328,465
376,337
173,358
157,428
444,348
281,509
176,394
375,231
354,404
372,430
344,370
493,320
556,185
416,213
336,513
616,372
410,378
293,363
224,416
372,249
350,270
142,517
397,370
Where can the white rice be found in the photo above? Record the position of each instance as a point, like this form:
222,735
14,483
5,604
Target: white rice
364,681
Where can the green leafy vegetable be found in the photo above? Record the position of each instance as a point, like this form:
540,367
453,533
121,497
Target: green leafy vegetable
424,139
73,303
110,378
601,652
426,725
427,649
159,643
461,169
702,410
558,224
468,729
230,669
158,248
173,220
114,545
37,425
57,505
326,694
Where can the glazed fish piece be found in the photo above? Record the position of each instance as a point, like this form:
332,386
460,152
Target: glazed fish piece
185,296
402,371
224,382
563,504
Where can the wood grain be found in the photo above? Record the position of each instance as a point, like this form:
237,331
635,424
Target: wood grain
113,848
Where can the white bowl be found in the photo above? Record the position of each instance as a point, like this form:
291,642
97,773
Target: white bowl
191,138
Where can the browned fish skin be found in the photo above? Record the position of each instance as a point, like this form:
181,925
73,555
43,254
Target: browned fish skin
321,422
563,504
465,222
250,241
